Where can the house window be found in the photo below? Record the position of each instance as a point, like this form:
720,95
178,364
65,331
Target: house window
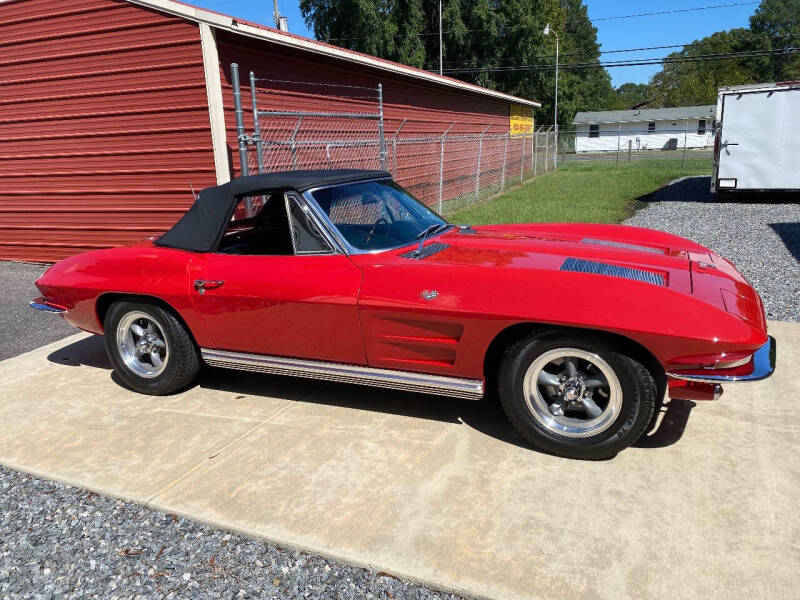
594,131
701,127
651,127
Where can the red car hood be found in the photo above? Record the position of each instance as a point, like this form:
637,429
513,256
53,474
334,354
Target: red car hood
679,263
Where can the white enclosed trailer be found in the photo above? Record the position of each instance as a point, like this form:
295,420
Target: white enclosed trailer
757,141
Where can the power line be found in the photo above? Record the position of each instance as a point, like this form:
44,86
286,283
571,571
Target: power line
632,63
469,62
563,54
612,18
677,10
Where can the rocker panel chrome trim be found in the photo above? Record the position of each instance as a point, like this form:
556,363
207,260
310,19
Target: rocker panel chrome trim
468,389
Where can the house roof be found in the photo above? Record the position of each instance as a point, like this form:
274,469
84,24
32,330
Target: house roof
678,113
255,30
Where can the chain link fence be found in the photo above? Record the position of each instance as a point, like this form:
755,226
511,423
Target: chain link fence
630,143
448,166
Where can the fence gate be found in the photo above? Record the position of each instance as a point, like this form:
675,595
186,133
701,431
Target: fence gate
336,136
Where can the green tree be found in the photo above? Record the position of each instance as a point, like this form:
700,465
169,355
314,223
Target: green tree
774,26
629,95
585,88
780,21
481,38
687,82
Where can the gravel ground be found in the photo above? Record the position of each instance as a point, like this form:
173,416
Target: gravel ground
58,541
760,235
22,328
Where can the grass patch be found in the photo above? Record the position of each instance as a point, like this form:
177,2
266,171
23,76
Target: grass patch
595,192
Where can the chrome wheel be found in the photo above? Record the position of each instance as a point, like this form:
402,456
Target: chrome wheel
142,344
573,392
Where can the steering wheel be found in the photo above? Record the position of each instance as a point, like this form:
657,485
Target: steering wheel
380,221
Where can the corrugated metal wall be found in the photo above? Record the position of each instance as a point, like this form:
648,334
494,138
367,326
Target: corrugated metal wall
103,122
104,118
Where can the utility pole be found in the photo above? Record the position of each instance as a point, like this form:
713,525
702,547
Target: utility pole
440,36
547,31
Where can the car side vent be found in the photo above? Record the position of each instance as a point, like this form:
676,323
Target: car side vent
579,265
426,251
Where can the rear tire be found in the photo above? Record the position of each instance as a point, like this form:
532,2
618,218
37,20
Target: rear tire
575,396
150,350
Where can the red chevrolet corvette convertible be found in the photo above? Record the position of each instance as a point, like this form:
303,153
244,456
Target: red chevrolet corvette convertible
344,276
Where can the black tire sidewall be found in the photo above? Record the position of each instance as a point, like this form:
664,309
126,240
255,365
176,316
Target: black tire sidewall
172,376
633,418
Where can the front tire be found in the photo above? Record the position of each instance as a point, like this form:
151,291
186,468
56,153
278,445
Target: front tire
150,350
575,396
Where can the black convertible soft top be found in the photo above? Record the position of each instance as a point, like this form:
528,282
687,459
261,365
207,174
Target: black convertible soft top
201,228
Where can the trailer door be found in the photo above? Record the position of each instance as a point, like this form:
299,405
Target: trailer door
759,144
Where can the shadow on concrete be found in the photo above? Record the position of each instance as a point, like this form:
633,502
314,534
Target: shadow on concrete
790,235
674,415
698,189
485,416
90,352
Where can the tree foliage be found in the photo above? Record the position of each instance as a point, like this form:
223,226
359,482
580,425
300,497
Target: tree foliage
779,20
483,36
479,35
629,95
774,26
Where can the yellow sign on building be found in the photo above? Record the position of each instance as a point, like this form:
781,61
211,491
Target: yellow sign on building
520,119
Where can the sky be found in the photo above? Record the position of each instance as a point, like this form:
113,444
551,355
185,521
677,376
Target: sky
613,34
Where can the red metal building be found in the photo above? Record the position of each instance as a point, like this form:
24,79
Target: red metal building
112,110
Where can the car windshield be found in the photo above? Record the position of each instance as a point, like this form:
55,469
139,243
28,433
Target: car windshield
377,215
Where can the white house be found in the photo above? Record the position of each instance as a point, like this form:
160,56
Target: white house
645,129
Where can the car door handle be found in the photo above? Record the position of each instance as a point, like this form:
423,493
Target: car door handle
201,285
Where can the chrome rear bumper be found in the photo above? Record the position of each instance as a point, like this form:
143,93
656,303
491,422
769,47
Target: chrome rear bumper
763,367
42,304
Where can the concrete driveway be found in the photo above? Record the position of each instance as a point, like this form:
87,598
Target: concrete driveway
430,489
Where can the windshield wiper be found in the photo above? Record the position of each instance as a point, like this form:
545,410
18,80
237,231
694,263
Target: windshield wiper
425,233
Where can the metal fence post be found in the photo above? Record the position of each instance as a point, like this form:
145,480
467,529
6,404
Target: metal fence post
241,136
382,140
294,142
237,104
546,151
394,147
555,148
685,136
619,139
505,154
257,125
630,149
535,156
441,165
478,170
